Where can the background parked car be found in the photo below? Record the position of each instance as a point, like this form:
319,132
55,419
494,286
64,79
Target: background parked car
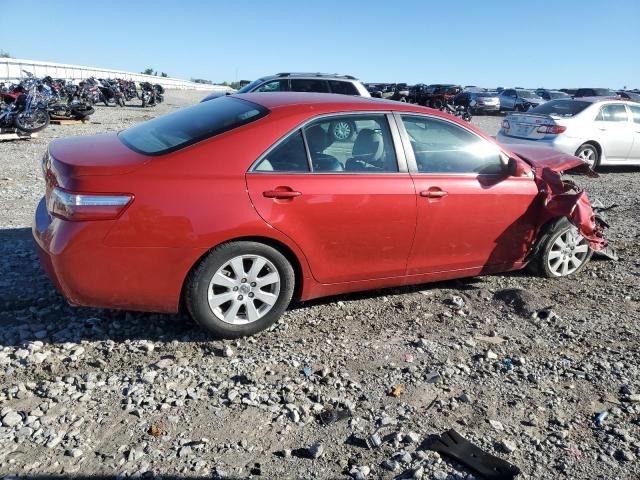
629,95
519,99
600,131
478,101
310,83
551,94
594,92
302,82
436,95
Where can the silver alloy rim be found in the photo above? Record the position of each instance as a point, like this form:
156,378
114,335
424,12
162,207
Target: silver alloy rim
342,131
568,252
588,155
244,289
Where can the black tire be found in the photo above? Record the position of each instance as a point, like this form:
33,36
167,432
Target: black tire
587,149
144,101
121,101
437,104
41,118
197,289
540,263
82,112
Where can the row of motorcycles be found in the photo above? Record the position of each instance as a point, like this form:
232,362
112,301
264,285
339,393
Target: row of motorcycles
29,106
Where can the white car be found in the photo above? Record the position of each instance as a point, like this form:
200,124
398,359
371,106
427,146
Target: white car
600,130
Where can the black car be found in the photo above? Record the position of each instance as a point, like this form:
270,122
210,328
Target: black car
478,101
551,94
594,92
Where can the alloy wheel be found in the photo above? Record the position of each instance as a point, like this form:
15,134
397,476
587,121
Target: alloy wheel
244,289
342,131
568,253
588,155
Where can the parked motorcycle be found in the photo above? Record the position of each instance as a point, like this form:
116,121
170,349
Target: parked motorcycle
26,113
111,93
457,110
148,95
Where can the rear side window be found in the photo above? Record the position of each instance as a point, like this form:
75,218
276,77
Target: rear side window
190,125
635,113
562,108
288,156
344,88
613,113
309,85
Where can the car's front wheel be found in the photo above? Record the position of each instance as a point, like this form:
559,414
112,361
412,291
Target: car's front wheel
239,289
563,251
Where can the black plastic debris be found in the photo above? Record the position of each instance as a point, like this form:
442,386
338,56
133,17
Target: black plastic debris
331,414
452,444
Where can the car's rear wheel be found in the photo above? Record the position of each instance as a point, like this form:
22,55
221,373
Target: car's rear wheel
563,251
589,154
239,289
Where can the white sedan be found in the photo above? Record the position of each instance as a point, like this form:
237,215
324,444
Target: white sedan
600,130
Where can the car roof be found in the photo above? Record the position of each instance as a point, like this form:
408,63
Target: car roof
326,102
309,75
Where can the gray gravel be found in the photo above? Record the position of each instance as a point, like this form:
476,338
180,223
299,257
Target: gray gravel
544,374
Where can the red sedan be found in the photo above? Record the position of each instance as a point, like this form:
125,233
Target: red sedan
234,207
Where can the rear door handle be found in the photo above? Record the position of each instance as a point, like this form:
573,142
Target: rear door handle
281,194
434,193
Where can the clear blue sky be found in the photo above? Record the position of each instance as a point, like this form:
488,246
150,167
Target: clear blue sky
561,43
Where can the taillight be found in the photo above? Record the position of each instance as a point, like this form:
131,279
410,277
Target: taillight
552,129
505,124
77,207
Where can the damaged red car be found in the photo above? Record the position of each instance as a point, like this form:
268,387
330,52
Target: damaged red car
235,207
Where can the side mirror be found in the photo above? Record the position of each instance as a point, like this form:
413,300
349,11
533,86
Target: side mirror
514,168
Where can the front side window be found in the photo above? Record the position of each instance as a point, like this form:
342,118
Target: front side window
443,147
635,113
190,125
351,143
613,113
309,85
289,155
273,86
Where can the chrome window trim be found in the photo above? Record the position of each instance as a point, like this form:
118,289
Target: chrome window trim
410,155
389,116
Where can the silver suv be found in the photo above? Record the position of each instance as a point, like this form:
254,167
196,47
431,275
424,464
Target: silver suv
303,82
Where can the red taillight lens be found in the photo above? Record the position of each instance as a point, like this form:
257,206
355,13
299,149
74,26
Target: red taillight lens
78,207
505,124
552,129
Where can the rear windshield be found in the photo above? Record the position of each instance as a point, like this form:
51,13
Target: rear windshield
190,125
561,108
527,94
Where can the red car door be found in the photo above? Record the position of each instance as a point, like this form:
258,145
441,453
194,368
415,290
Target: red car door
347,203
471,215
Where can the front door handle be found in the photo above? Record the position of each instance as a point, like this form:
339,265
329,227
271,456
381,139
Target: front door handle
281,194
434,193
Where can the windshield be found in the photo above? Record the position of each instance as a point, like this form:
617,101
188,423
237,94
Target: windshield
560,108
486,94
527,94
559,95
250,86
190,125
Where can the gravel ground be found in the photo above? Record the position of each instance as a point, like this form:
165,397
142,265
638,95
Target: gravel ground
519,365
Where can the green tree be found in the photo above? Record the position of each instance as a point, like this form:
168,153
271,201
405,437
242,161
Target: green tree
4,54
147,71
163,74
